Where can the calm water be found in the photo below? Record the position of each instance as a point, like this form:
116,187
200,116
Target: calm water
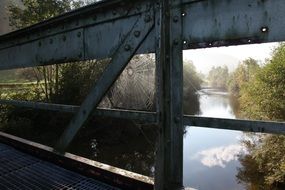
210,155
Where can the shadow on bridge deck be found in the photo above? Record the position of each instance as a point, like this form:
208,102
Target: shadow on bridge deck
19,170
29,165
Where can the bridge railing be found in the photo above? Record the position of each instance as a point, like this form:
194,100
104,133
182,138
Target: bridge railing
120,29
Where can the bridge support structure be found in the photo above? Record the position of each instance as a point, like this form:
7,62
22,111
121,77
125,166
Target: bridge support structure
120,29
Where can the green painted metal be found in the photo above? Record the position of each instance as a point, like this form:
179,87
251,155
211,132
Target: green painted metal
120,59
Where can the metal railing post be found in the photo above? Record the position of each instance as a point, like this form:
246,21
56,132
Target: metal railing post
169,168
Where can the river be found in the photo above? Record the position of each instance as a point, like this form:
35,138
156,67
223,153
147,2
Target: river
210,155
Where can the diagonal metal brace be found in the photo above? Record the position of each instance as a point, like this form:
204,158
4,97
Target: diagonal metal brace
133,40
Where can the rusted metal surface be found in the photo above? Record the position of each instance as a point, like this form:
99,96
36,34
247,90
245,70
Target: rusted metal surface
102,172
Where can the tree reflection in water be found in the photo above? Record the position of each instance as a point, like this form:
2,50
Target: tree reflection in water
263,167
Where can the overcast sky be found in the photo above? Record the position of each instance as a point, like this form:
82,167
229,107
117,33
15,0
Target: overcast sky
204,59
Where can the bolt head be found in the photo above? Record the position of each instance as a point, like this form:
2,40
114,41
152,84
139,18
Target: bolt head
176,42
127,47
137,33
177,119
147,18
175,19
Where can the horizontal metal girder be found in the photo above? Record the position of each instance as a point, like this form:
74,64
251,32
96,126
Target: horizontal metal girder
148,117
236,124
209,23
94,32
151,117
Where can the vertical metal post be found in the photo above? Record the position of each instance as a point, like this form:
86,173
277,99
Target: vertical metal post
169,170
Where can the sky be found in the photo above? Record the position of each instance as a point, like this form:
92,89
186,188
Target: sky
204,59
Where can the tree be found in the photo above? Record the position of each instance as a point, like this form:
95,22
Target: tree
35,11
191,84
244,73
263,97
218,77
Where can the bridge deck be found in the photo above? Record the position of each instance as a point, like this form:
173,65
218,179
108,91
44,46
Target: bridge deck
22,171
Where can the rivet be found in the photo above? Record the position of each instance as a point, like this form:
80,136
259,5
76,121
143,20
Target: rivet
177,119
175,19
137,33
127,47
176,42
147,18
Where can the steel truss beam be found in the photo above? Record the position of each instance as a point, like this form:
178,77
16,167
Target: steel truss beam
146,117
150,117
105,30
93,32
125,51
236,124
169,165
210,23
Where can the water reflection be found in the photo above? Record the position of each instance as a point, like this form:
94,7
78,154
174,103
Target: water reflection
211,155
215,103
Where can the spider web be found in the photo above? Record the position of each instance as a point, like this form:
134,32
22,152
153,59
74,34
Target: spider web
135,88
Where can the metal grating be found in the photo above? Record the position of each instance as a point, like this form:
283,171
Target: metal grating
22,171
